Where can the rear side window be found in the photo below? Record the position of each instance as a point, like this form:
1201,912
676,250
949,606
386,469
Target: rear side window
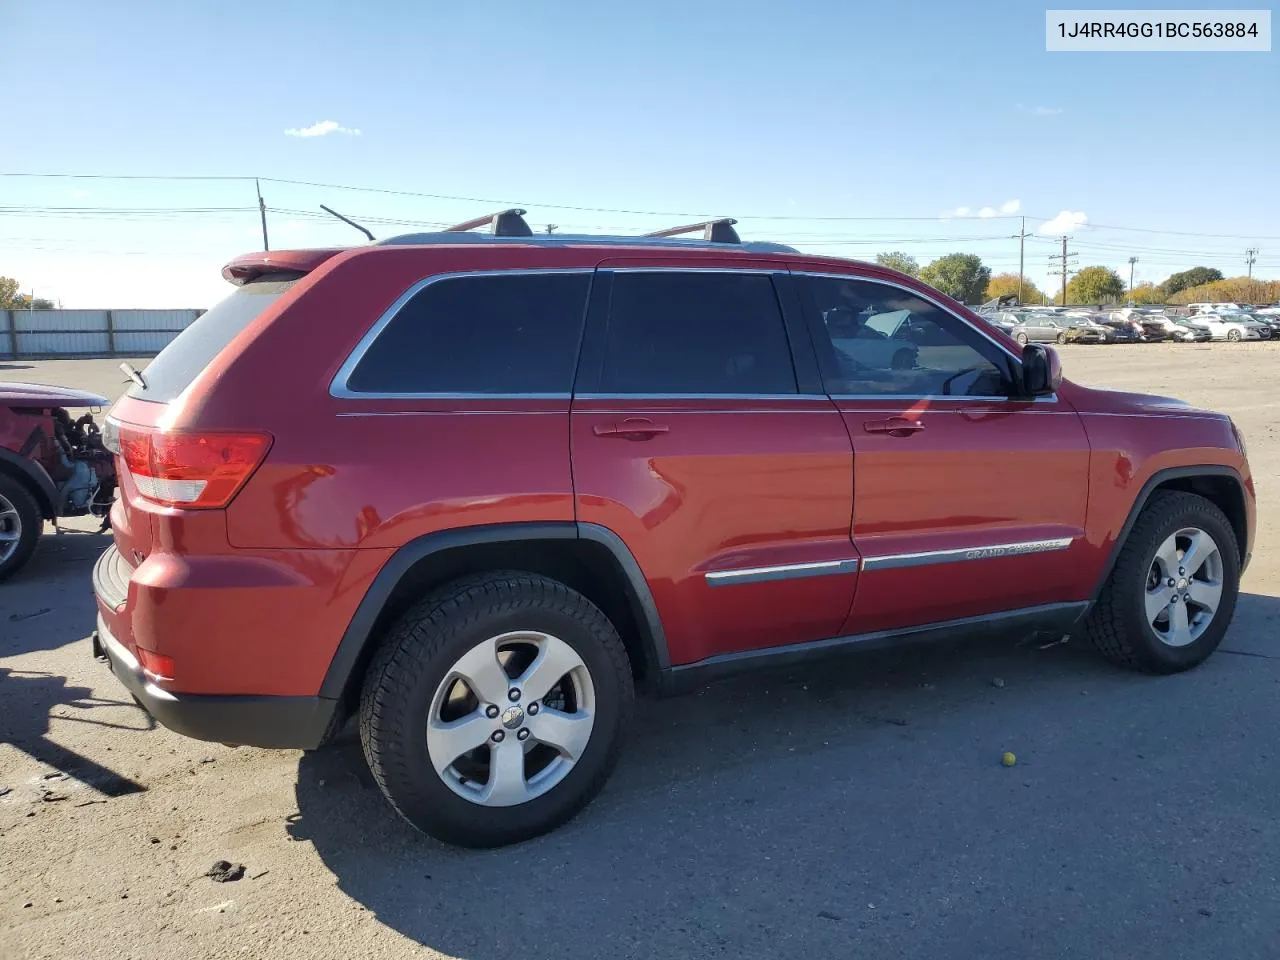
496,334
696,333
194,348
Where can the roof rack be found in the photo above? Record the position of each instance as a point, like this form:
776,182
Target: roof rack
504,223
713,231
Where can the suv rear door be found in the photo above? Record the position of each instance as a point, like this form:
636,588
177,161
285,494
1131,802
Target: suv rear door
966,502
700,435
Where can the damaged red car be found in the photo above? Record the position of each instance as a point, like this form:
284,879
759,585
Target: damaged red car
52,465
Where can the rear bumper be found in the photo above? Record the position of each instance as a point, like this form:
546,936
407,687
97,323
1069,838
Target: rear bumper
281,722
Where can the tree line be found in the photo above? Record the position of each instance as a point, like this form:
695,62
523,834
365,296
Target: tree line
964,277
11,299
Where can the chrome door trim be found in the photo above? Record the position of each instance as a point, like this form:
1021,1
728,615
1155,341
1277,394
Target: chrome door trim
960,554
784,571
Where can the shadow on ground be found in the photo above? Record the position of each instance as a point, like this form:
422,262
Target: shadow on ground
49,602
860,805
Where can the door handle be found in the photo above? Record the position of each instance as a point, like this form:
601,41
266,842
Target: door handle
633,428
894,426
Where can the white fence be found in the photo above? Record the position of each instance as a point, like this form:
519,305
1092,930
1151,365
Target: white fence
89,333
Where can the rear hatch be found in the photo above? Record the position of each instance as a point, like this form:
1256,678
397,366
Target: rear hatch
167,473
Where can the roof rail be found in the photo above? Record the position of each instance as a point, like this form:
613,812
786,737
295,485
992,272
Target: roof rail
504,223
713,231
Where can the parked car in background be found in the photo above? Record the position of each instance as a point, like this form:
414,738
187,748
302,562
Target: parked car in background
1040,328
1085,330
52,465
1178,329
1123,331
1228,327
878,340
1269,320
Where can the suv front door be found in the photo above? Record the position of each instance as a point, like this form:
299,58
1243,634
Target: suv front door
700,441
966,502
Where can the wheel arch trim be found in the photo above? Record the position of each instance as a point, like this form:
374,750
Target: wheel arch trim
1155,481
360,630
35,476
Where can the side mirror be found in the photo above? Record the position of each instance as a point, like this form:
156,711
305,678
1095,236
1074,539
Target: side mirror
1041,370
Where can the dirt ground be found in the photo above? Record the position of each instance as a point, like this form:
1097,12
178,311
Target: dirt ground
855,810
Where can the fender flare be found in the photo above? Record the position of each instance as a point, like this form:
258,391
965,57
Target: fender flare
1148,488
359,632
26,469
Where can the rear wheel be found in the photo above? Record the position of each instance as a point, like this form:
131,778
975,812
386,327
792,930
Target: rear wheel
21,522
496,708
1021,338
1171,596
1061,338
903,360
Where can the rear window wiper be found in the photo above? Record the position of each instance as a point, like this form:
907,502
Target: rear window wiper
132,373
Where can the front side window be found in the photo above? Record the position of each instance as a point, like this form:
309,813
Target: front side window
489,334
873,339
696,333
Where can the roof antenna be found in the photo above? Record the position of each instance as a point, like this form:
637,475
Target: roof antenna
347,220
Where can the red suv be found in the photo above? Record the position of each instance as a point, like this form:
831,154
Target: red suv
479,488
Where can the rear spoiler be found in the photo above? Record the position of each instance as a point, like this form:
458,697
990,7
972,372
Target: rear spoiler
253,266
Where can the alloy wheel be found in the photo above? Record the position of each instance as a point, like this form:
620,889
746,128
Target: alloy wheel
1184,587
10,528
511,718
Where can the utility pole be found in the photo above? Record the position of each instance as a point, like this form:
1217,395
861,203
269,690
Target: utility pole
1132,261
1022,246
552,227
262,212
1066,258
1250,257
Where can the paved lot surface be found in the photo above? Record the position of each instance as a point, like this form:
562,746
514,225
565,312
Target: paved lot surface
855,811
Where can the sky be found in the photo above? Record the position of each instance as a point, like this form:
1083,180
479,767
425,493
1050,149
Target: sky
841,128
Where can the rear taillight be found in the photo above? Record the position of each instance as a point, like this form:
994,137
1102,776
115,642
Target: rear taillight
192,470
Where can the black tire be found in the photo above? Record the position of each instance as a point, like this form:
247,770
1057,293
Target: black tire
1022,339
903,360
30,522
1060,338
425,644
1117,625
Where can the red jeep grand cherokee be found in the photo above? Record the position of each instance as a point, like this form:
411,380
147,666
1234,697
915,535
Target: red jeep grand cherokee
478,488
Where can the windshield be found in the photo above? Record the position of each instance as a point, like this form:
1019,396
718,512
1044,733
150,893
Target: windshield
194,348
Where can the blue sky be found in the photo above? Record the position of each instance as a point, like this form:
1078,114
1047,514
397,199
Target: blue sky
793,112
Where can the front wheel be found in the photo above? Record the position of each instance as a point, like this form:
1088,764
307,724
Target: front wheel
1172,593
1233,335
496,708
20,524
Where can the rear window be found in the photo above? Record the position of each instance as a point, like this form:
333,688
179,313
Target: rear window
488,334
194,348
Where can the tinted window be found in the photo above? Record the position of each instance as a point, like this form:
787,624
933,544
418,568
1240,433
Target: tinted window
673,333
194,348
876,339
503,333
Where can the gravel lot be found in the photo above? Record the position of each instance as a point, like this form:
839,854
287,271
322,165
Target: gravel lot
861,811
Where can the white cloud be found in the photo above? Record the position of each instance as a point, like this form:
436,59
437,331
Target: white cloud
1065,222
1011,206
322,129
960,212
1039,111
986,212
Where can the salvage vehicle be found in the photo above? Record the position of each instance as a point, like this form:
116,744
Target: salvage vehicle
480,489
52,465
